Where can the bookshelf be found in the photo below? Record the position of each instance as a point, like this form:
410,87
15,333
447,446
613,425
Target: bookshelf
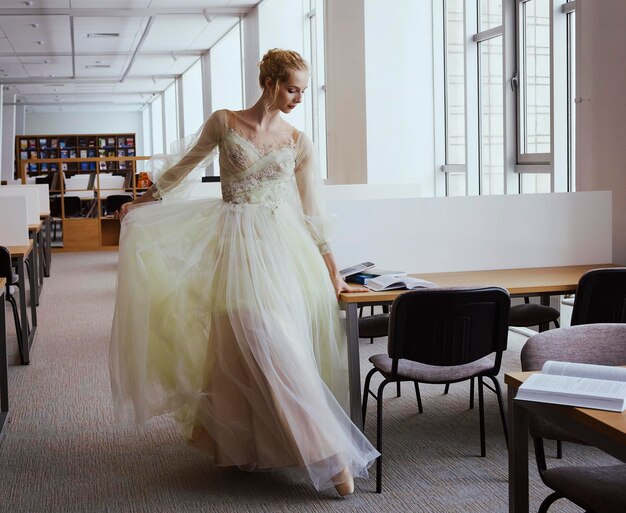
88,175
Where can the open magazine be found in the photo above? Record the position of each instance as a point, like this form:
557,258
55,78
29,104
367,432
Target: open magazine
601,387
391,282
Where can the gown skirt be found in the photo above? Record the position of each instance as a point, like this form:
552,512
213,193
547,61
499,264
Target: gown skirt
226,318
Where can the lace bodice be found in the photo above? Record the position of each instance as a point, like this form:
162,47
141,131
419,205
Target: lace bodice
268,174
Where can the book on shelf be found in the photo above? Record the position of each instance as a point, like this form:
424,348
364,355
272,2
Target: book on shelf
83,154
102,165
43,143
23,144
73,154
601,387
102,142
110,141
391,282
354,269
23,154
61,144
64,154
32,143
53,143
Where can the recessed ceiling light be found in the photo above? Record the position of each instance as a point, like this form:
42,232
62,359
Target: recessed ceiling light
103,34
28,3
46,61
97,66
34,25
40,42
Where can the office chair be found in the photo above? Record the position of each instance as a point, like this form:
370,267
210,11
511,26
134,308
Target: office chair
12,283
595,489
600,297
443,336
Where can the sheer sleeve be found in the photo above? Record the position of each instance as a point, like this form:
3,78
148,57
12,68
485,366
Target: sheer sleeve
176,173
309,183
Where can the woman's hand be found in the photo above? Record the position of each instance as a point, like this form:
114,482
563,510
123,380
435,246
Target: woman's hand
341,286
121,213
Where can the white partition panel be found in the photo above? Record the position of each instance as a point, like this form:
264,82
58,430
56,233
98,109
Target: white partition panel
43,192
32,201
372,191
13,222
474,233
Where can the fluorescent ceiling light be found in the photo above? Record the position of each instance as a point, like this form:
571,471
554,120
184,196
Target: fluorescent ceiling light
103,34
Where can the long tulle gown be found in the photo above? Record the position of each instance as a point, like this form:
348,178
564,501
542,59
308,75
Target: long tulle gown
225,314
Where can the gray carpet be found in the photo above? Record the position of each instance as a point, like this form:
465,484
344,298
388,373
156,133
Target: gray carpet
62,452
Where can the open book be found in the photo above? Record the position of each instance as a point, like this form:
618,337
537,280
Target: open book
390,282
358,268
577,384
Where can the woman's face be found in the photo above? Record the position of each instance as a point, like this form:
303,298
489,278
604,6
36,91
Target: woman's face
291,90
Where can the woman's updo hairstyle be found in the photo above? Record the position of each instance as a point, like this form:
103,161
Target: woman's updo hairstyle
276,65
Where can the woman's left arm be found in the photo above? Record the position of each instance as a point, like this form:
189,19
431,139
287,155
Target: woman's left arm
309,189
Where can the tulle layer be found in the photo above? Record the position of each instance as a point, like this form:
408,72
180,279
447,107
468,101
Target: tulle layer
225,316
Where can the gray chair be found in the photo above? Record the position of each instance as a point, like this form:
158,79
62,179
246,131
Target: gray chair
442,336
595,489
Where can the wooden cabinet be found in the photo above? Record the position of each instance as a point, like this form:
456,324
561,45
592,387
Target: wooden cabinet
90,176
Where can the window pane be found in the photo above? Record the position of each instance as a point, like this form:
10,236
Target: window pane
157,125
455,83
571,111
535,182
455,184
490,14
491,117
536,76
193,110
171,121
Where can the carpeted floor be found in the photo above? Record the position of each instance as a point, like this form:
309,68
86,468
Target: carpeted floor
62,452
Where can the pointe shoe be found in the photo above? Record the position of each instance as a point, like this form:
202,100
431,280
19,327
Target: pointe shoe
344,484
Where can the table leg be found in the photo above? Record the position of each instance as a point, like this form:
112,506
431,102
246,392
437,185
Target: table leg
518,455
354,364
48,245
23,312
544,300
41,257
4,369
34,263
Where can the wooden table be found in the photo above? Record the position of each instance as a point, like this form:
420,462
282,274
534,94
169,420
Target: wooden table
19,254
603,429
541,281
4,369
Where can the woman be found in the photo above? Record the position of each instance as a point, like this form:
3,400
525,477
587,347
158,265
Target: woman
226,313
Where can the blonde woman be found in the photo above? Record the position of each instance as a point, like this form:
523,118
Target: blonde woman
227,310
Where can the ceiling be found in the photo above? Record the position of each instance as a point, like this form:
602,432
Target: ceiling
75,55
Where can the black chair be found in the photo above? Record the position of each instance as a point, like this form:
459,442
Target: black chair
600,297
532,314
12,283
443,336
114,202
596,489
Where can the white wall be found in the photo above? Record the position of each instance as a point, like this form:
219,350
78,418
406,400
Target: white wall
345,92
86,123
601,116
399,93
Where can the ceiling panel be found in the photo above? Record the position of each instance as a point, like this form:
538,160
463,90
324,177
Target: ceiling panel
129,30
116,4
171,33
47,4
162,65
213,32
55,67
94,66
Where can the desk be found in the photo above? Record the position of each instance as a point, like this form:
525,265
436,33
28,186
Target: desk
4,369
46,219
19,254
540,281
603,429
34,233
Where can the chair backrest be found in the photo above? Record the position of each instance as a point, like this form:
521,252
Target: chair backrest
449,326
600,297
71,203
600,344
115,201
6,268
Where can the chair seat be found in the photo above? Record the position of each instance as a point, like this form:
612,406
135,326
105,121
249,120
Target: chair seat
423,373
532,314
601,489
374,326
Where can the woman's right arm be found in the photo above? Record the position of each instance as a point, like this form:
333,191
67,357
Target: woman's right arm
209,138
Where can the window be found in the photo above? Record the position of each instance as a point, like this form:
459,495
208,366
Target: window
193,114
507,116
171,116
454,97
490,98
315,100
157,125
